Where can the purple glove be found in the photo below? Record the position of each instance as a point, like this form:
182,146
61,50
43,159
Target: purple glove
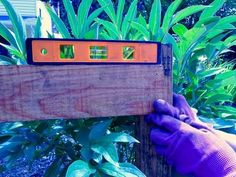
180,110
193,148
182,105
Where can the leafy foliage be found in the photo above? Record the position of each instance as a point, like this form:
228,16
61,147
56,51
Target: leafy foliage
119,27
99,153
79,24
85,141
17,37
197,52
199,73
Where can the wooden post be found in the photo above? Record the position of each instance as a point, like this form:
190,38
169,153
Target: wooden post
85,91
148,161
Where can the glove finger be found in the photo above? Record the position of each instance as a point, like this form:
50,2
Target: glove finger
164,121
162,107
194,123
161,150
180,102
201,126
159,137
185,118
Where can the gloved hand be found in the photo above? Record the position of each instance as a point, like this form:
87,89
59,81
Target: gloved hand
180,110
182,105
191,148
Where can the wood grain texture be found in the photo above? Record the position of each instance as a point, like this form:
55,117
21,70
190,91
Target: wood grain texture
85,91
148,161
79,91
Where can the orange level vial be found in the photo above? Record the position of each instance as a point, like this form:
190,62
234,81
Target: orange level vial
70,51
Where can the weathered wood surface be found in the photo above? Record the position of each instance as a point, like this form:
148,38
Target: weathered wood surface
148,161
79,91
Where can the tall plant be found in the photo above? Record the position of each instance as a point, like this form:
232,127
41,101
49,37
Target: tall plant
199,71
16,37
198,74
210,37
80,22
119,26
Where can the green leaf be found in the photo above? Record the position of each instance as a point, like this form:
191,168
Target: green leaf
104,35
160,35
2,62
108,150
215,34
187,12
218,98
155,17
86,153
99,130
169,15
72,17
8,35
83,136
13,51
54,168
117,137
59,23
220,82
131,169
120,10
110,28
214,84
82,13
111,170
93,16
229,40
8,60
206,21
17,24
210,72
226,109
98,158
14,126
79,168
215,6
93,33
227,75
13,145
194,37
123,170
110,11
179,29
140,28
218,37
129,17
37,31
210,51
142,21
227,20
50,36
169,39
98,174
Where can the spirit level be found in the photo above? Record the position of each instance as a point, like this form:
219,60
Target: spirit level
72,51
